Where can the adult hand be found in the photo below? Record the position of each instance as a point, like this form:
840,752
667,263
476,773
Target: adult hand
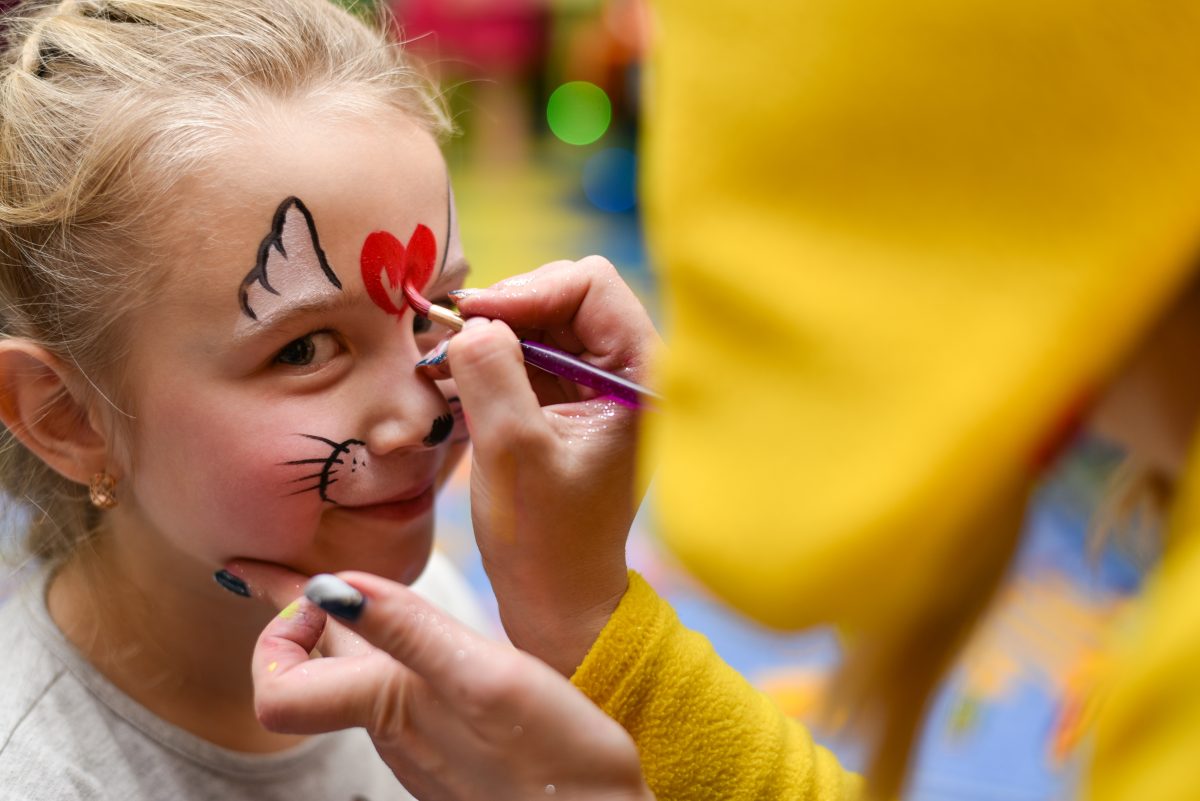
553,474
457,717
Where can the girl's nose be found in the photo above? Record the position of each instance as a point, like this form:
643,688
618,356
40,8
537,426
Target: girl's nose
406,409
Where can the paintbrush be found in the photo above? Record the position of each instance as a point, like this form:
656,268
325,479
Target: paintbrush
545,357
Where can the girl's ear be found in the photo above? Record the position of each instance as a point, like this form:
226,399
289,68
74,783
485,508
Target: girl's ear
38,407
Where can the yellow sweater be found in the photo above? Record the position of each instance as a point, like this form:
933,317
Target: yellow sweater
702,730
898,242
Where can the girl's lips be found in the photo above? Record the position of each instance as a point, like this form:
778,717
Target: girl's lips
405,508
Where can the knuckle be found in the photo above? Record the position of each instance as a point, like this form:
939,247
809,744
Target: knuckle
388,715
534,441
598,266
484,346
504,688
271,714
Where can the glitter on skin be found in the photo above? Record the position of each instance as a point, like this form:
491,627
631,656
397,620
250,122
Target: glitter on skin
290,610
271,667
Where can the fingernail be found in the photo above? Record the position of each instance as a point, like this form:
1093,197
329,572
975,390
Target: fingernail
288,612
232,583
475,322
437,355
459,294
335,596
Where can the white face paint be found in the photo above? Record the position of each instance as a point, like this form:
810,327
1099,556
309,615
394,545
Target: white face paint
291,269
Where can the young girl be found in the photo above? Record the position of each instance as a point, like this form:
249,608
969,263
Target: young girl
202,362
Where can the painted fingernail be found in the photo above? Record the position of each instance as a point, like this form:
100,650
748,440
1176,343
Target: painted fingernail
288,612
232,583
335,596
437,355
475,322
459,294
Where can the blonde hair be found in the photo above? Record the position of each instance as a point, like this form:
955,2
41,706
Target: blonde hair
104,106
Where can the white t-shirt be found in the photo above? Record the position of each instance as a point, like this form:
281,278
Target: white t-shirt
67,733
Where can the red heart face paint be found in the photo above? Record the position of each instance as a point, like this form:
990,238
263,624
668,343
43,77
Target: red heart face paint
413,263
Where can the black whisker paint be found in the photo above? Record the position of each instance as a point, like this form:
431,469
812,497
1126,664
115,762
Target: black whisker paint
311,476
328,466
441,429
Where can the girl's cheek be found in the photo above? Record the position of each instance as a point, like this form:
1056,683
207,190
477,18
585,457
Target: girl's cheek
255,507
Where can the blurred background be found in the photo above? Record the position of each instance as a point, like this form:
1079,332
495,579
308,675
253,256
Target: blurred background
545,95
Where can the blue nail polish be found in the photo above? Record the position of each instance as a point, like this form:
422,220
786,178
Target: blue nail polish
335,596
232,583
437,357
430,361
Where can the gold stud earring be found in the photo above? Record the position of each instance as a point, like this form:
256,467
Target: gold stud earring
103,491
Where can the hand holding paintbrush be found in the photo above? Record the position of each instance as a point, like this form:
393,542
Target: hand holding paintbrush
554,483
537,354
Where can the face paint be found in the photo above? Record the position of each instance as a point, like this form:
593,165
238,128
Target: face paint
329,466
291,265
453,242
440,431
383,253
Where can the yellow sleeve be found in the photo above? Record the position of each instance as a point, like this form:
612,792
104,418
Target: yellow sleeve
1147,741
701,729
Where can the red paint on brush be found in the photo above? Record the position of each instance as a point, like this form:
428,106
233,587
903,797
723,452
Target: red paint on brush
407,267
416,299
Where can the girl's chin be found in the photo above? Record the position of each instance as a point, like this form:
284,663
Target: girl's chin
383,548
404,568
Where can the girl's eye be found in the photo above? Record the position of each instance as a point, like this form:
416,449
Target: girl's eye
421,324
316,348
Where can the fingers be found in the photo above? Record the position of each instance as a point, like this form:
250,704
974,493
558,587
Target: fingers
469,671
296,694
494,386
547,296
582,305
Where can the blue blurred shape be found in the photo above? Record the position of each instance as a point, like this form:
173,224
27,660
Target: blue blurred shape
610,179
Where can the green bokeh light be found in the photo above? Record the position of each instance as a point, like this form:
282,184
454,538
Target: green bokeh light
579,112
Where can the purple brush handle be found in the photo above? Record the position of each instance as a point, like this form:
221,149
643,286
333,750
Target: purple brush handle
564,365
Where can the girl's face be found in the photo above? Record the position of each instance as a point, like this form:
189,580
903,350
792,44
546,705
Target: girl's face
279,415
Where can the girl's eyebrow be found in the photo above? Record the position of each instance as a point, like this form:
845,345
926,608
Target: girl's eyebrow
329,304
326,304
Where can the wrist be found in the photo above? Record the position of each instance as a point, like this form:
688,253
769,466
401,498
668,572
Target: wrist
560,632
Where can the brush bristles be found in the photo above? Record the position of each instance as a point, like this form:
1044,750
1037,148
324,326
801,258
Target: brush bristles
436,313
416,300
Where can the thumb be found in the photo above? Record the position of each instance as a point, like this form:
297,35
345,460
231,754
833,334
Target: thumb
474,675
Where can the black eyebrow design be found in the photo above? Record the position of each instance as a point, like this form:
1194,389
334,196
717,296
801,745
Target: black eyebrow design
449,222
275,240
